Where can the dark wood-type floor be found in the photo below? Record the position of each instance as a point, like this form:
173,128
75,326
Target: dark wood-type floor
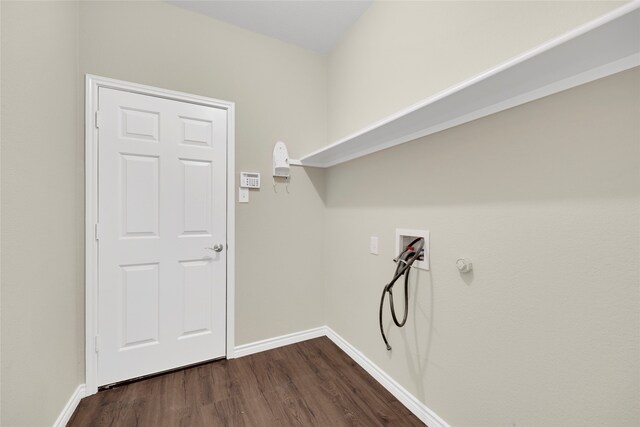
312,383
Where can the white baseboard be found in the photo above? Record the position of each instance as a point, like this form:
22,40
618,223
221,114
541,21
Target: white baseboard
271,343
70,407
412,403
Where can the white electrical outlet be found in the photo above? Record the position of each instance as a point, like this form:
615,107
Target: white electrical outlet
373,245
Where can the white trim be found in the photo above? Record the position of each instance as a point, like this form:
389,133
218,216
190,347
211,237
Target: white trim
412,403
231,230
579,64
70,407
92,84
271,343
91,247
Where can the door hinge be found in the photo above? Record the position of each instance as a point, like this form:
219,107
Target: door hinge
95,342
97,231
98,121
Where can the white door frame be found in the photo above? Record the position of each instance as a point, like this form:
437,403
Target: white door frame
92,84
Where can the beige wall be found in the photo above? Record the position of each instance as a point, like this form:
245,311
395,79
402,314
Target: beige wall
42,317
280,93
401,52
545,200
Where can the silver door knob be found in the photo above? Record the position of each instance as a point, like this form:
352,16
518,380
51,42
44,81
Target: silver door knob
218,247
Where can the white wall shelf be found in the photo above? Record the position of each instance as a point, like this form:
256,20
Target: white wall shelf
602,47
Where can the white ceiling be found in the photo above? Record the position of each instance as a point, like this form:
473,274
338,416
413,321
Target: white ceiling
313,24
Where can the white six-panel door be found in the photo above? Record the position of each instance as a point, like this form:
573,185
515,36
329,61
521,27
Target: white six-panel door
161,211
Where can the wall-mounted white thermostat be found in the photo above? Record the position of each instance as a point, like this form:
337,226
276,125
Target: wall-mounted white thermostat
249,180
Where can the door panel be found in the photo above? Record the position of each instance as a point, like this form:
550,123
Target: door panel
196,297
196,132
161,204
140,187
196,197
137,124
140,286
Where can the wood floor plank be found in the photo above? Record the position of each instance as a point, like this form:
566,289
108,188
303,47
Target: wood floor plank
312,383
352,381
